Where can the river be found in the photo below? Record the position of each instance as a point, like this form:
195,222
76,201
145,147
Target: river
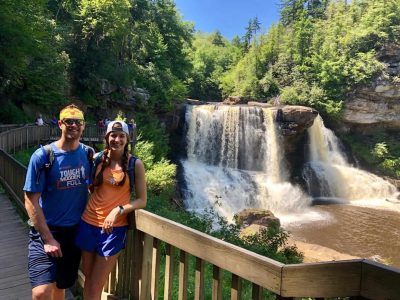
360,231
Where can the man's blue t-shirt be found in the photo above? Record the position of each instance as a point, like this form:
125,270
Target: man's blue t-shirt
64,191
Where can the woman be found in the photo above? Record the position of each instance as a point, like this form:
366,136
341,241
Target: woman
104,223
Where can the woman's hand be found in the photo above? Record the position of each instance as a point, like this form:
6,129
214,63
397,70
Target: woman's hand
110,220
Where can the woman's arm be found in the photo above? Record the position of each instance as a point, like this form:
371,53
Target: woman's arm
140,200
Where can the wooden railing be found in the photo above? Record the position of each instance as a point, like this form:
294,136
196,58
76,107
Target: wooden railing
186,254
7,127
23,137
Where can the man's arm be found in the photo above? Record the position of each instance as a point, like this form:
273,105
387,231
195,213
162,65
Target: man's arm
35,212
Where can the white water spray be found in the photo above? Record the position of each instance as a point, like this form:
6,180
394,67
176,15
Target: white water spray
330,175
235,161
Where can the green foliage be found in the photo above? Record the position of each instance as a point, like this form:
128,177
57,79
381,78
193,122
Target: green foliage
24,156
161,177
380,151
152,148
212,55
33,65
325,49
270,242
128,44
11,114
150,130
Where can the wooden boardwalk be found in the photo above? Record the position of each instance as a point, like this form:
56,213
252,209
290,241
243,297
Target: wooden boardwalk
14,281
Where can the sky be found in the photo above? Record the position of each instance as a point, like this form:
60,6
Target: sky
230,17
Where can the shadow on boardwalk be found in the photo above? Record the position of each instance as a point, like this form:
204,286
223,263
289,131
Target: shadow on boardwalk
14,281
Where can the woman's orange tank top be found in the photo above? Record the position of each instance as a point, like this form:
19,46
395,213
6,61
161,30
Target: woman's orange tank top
106,197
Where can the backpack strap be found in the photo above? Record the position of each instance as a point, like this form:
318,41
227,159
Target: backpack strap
89,152
48,157
90,155
95,163
131,172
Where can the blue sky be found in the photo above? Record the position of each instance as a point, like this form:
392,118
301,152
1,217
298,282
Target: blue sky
230,17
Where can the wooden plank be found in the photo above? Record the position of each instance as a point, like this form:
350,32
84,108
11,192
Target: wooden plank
199,280
117,286
137,263
112,287
145,290
328,279
236,287
256,292
183,275
127,266
131,260
169,272
155,272
217,283
246,264
14,281
13,270
379,281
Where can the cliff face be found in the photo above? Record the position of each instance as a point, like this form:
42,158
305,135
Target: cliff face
377,105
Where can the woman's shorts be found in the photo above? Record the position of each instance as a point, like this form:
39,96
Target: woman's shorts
93,239
44,269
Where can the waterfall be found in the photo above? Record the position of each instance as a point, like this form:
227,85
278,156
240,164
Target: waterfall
328,173
274,157
235,161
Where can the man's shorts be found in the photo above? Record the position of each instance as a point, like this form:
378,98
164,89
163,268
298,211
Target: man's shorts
93,239
44,269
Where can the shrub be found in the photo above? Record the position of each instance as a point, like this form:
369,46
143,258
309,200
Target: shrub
161,177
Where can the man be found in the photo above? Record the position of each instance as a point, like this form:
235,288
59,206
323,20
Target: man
55,197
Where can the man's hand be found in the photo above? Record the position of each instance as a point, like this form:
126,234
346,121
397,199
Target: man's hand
52,248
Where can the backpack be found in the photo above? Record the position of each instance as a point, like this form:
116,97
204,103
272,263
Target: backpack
130,171
48,155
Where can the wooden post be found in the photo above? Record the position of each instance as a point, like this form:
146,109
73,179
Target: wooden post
217,284
199,280
137,264
236,287
156,269
183,275
145,291
256,292
169,272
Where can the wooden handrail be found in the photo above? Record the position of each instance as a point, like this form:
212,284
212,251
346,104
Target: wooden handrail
137,272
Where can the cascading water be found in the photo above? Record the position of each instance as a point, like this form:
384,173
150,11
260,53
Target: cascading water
235,162
328,173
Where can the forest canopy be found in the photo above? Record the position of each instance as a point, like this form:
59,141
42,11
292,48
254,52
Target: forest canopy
51,51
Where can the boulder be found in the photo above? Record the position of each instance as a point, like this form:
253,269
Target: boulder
295,119
195,102
257,216
292,119
251,230
105,87
233,100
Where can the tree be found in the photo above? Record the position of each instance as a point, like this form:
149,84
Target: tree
252,28
290,10
218,39
32,63
255,25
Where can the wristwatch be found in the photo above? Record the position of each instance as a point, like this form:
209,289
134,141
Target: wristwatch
121,209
